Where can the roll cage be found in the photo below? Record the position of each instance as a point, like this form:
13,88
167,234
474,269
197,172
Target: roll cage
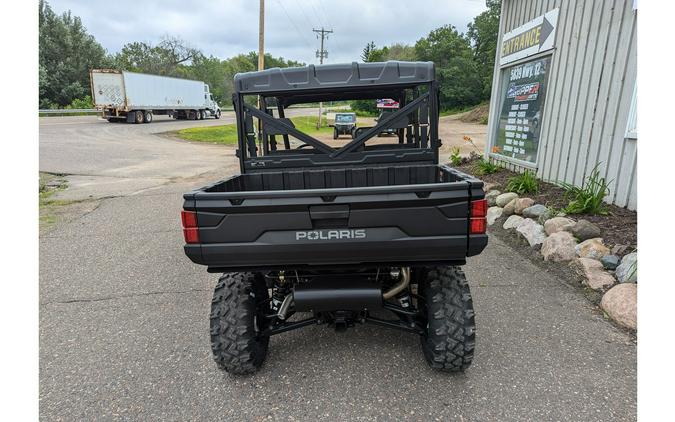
415,122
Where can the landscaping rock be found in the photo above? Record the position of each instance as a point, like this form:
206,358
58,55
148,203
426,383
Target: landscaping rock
610,262
584,230
489,187
592,248
491,197
505,198
522,203
592,274
556,224
510,208
493,213
559,247
535,211
619,249
626,272
513,222
545,217
532,231
620,303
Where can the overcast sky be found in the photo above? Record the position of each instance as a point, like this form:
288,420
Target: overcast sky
224,28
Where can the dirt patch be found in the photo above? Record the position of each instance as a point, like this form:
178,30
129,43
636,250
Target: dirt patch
619,227
479,114
53,210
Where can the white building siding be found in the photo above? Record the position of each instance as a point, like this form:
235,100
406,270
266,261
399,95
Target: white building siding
590,89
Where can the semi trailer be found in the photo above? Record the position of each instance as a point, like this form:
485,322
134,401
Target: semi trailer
135,97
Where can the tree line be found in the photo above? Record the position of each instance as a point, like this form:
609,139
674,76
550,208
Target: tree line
464,62
67,52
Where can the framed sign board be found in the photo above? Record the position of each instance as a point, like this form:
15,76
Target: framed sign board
523,92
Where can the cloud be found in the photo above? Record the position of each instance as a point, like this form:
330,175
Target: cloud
229,27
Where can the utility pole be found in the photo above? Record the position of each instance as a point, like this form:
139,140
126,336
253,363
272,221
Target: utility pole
321,54
261,58
261,36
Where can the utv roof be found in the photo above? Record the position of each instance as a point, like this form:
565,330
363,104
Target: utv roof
335,78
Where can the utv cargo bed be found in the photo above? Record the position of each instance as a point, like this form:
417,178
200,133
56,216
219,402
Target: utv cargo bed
403,215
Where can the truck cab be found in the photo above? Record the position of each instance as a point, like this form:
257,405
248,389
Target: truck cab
210,104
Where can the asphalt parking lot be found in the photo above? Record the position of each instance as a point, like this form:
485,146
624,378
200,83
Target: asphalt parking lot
124,316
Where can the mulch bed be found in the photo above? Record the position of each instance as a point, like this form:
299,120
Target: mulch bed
619,227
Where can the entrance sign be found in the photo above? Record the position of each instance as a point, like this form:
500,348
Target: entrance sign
523,93
534,37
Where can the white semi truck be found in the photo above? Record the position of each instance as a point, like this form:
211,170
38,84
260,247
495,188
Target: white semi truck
136,97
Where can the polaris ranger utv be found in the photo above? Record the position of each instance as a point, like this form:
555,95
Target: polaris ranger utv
311,234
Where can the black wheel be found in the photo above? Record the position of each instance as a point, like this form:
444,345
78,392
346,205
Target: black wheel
217,114
147,117
138,117
239,303
335,133
202,114
450,339
352,132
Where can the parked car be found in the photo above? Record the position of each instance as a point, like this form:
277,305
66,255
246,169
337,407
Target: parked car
319,235
389,130
345,124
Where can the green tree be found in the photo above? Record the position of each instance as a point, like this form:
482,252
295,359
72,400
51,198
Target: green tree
365,54
456,70
483,33
169,57
400,52
66,53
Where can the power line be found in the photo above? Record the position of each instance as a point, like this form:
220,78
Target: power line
294,24
323,10
302,10
318,17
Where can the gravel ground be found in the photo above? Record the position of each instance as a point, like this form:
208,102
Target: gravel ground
124,334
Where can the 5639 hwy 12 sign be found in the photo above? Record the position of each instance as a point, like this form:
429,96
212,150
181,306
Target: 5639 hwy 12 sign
534,37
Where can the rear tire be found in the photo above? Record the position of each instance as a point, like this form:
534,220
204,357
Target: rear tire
235,323
138,117
202,115
449,342
147,117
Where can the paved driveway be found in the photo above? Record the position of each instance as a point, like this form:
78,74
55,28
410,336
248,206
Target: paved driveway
124,320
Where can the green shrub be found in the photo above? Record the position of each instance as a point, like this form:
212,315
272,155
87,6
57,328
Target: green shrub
79,103
587,199
455,158
483,167
523,183
364,107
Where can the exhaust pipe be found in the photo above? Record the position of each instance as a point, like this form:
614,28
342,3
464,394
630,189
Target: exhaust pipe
400,286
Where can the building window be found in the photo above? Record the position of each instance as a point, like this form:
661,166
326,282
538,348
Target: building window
631,126
522,105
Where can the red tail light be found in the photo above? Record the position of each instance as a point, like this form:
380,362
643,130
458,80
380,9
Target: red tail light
479,208
190,229
478,222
